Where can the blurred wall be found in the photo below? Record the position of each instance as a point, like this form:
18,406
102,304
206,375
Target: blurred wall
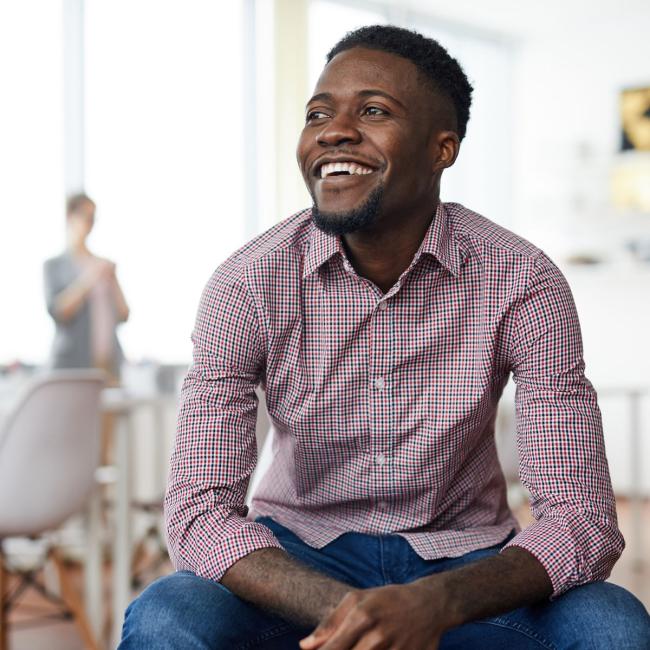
565,147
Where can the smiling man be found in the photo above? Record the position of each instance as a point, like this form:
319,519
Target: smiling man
383,326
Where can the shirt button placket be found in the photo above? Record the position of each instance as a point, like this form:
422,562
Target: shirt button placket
380,365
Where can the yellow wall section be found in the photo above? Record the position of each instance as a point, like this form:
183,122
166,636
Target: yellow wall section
291,94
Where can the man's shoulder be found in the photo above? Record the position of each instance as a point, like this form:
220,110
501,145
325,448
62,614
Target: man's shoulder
481,235
287,240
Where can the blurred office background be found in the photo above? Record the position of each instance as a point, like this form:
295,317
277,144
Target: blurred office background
180,120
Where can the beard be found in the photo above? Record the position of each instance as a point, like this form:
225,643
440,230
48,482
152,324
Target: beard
344,223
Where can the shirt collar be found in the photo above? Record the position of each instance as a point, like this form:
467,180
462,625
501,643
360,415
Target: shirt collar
438,242
321,248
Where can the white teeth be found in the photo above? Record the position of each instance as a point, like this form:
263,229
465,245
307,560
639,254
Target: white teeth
349,167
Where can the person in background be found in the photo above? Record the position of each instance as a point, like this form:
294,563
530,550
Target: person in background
84,298
87,304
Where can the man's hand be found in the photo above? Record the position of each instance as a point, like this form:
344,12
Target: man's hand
416,615
408,617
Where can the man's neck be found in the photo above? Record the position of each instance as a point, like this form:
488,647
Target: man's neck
382,255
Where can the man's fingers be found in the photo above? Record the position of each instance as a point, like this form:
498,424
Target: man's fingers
317,638
356,623
329,626
373,640
310,642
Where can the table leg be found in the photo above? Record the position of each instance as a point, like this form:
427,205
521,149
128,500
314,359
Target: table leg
4,613
122,536
160,450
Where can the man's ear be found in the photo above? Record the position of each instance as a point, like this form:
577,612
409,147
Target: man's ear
446,145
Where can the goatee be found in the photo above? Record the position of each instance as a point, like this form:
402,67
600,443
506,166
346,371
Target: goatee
343,223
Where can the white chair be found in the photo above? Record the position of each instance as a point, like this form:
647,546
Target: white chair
49,451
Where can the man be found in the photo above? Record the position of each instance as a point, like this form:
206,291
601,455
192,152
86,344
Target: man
383,326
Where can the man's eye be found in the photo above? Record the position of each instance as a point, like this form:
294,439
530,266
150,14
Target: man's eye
375,110
315,115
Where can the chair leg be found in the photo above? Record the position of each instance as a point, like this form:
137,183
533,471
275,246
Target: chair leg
72,600
3,609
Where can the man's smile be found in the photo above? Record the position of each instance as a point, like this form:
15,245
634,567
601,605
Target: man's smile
346,179
344,172
343,165
346,168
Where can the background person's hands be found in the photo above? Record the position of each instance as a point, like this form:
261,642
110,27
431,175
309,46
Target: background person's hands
99,270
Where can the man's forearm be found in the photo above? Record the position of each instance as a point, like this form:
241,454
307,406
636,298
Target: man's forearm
435,604
272,580
492,586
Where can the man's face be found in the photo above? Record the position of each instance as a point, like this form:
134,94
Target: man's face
370,139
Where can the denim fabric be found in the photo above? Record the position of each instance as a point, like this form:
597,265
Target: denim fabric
189,612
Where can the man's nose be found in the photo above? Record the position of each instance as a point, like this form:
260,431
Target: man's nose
338,130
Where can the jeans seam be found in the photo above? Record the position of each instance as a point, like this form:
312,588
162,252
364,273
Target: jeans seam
522,629
381,561
267,635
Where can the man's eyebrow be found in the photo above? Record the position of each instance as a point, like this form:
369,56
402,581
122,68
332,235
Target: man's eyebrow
382,93
320,96
370,92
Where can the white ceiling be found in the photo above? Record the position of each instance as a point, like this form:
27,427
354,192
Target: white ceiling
530,18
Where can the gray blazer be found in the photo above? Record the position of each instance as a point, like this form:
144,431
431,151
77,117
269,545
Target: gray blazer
72,340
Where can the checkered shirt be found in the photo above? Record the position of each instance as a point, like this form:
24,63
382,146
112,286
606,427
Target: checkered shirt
383,405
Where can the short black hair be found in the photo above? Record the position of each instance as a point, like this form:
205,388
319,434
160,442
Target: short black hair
433,60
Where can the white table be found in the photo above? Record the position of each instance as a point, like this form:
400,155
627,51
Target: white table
124,406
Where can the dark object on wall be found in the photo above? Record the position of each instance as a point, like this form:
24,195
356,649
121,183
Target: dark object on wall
635,119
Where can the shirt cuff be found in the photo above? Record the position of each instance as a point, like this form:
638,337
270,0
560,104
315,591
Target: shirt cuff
551,542
245,539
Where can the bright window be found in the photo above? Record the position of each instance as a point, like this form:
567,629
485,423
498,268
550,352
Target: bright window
31,170
328,23
164,156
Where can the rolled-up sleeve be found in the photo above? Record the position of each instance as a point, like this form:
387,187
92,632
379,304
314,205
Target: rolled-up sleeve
560,440
215,450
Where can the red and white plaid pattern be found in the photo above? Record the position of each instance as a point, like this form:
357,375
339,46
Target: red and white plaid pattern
384,405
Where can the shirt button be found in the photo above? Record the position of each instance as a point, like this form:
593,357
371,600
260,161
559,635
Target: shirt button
380,459
382,505
383,306
347,267
379,383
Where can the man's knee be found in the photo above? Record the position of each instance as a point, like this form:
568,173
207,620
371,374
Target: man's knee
609,614
179,610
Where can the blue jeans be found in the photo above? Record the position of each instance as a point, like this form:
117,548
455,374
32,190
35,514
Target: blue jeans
187,612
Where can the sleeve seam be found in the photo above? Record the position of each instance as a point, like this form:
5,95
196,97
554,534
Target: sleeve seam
260,316
514,341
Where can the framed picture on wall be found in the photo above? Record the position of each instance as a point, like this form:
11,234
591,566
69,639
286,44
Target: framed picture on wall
631,171
635,119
